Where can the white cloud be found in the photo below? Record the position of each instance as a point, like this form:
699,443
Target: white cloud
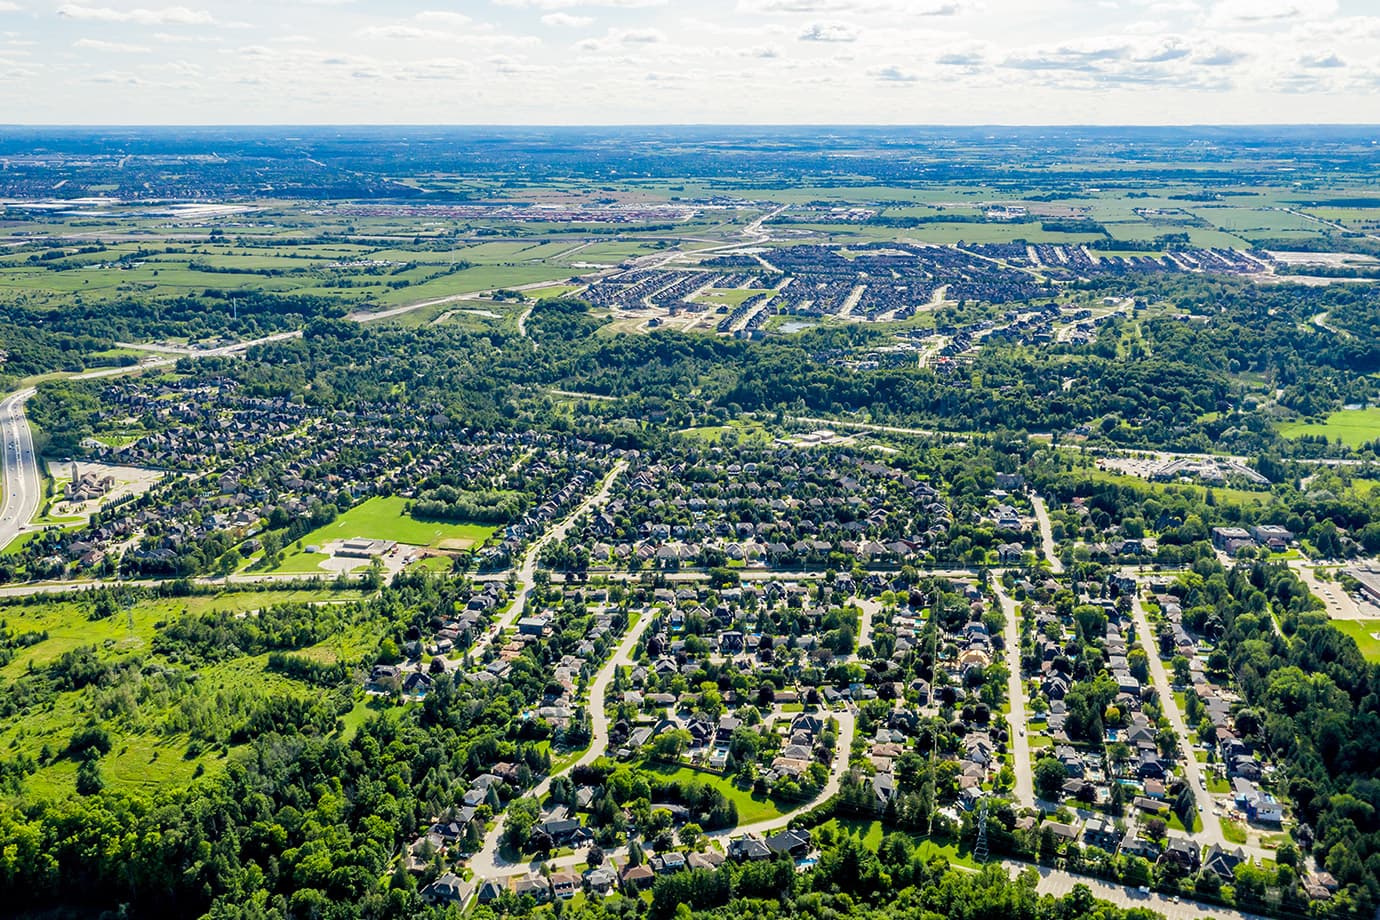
166,16
566,20
567,4
615,39
444,18
95,44
893,9
1267,12
829,32
1327,61
894,74
1221,57
403,32
7,7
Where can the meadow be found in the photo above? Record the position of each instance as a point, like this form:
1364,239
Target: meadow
1353,427
146,753
751,807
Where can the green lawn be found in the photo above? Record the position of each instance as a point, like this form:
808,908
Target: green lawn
1364,632
751,808
1221,494
383,518
1233,831
1353,427
870,834
305,563
747,432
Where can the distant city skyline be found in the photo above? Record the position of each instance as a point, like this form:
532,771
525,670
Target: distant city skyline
552,62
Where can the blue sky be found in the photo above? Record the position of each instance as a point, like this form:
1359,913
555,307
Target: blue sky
703,61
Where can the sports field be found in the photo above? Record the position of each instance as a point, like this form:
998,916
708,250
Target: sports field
384,518
1365,632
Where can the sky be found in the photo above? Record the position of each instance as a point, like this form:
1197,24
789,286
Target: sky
611,62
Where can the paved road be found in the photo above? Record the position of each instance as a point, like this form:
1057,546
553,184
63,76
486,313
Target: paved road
1015,691
1059,883
526,573
488,863
1340,605
864,426
1046,534
1212,827
22,484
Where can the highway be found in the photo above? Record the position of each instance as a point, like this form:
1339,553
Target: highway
22,484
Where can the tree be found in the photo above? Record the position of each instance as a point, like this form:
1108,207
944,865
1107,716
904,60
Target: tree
1049,778
89,780
690,836
669,745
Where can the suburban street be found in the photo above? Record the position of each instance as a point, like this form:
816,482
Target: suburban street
1046,534
1058,883
527,571
1015,692
1212,827
488,864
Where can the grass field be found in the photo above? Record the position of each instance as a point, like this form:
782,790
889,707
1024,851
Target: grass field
745,431
870,834
1364,632
147,753
1353,427
384,518
69,625
1223,495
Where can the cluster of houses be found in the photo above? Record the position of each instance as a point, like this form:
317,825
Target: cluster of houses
608,878
1146,773
1103,833
764,506
249,457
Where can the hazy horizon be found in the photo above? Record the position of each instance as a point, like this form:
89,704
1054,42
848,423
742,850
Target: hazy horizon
716,62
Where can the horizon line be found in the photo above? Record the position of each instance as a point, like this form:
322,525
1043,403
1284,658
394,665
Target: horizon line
1359,125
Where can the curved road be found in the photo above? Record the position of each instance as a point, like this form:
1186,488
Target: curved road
526,573
1046,534
22,484
488,864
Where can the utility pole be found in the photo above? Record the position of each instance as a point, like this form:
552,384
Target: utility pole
980,851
